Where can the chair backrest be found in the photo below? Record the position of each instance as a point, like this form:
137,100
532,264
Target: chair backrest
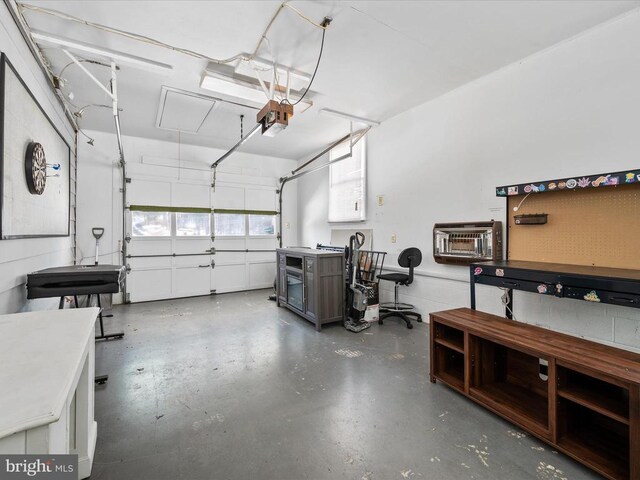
410,258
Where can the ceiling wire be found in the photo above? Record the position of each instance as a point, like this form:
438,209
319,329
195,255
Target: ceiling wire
82,60
315,71
80,112
42,60
153,41
275,71
158,43
302,15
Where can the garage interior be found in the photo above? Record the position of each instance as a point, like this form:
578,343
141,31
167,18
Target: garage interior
320,239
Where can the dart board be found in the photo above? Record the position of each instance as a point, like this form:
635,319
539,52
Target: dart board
35,168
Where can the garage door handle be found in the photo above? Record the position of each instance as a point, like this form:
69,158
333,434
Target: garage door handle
204,266
510,284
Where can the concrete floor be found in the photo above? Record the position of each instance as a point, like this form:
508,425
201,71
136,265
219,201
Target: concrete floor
232,387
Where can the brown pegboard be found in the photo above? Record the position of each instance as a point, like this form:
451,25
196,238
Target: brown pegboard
599,227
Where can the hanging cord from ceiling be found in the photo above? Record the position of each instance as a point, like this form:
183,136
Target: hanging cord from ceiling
274,68
158,43
314,71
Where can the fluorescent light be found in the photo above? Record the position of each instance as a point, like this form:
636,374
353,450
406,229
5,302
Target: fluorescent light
351,118
221,80
266,64
233,89
118,57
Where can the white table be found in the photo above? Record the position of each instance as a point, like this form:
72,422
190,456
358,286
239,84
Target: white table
47,384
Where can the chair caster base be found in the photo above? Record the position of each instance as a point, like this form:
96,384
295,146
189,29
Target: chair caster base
401,315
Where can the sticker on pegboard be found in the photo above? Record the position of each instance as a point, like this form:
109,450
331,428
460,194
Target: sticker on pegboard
542,288
592,296
499,272
477,271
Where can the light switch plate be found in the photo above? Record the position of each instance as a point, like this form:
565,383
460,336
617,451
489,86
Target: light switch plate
380,200
393,238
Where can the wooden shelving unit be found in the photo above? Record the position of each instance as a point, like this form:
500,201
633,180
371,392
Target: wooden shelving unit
581,397
528,408
598,402
594,439
451,345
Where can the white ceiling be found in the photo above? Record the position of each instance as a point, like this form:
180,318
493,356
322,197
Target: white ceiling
380,57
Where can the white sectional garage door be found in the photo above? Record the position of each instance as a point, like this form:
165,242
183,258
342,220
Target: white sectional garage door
185,239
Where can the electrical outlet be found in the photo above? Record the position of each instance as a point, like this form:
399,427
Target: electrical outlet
380,200
393,238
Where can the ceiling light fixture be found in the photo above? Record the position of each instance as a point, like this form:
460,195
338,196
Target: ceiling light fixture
224,81
351,118
232,88
265,64
120,57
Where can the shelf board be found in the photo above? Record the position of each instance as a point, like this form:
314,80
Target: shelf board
597,401
589,451
509,398
452,344
454,380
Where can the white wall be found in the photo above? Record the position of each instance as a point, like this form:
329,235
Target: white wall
19,257
99,176
572,110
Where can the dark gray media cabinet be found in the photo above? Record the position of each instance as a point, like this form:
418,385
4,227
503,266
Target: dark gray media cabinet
311,283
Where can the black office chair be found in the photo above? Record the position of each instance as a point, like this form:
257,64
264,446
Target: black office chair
408,258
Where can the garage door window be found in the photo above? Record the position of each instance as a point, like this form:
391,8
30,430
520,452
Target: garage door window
150,224
193,224
229,224
262,225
